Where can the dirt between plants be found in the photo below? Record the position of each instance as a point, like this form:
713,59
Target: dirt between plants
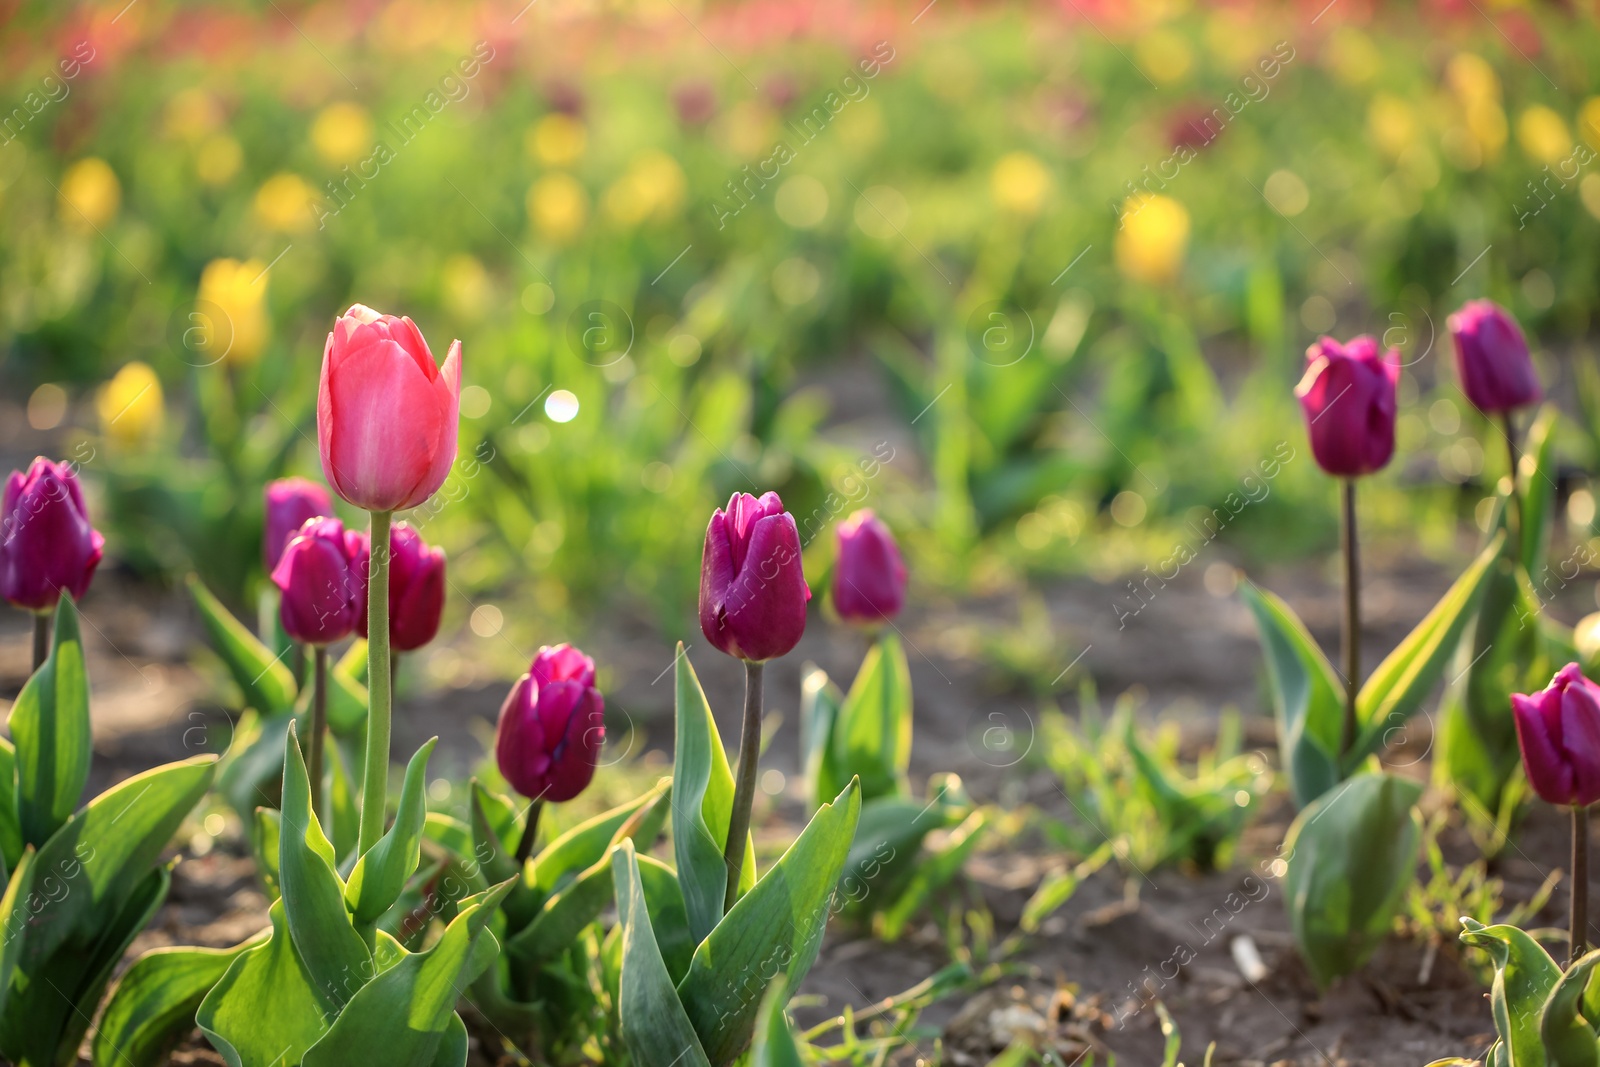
1074,989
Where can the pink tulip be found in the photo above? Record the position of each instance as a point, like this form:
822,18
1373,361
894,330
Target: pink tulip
869,577
551,727
1492,358
290,502
1558,729
386,414
47,546
753,591
1348,396
319,581
416,587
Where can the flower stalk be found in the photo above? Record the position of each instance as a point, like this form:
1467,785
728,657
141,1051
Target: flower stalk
1351,628
319,725
1509,425
530,832
744,788
41,639
375,780
1579,925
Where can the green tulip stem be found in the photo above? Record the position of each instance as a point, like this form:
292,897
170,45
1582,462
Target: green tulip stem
744,790
375,778
1509,425
1351,632
1580,881
319,725
530,832
41,639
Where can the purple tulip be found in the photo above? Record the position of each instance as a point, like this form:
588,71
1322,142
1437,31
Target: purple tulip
552,726
47,546
1492,358
317,578
1348,395
416,588
1559,731
869,577
290,502
753,591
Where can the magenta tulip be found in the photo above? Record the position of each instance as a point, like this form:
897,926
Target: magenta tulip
47,546
552,726
1348,396
1492,358
1559,731
416,588
290,502
386,414
753,592
317,577
869,577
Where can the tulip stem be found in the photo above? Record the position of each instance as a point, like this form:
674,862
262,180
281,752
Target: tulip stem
1352,616
375,778
1580,881
41,639
744,790
1509,425
319,725
530,832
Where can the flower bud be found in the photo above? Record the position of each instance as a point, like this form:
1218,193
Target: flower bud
47,546
869,577
1348,396
1558,729
290,502
416,587
753,592
1492,358
552,726
316,576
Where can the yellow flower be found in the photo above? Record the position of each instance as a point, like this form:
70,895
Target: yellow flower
1353,57
130,405
1164,56
1543,135
653,186
558,140
284,203
232,307
1153,238
90,194
1472,79
1020,183
465,286
218,159
558,206
342,133
1392,124
1589,121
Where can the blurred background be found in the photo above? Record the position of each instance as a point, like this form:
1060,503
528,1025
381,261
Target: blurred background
1033,280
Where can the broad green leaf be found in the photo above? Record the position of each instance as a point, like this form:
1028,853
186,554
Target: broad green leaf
154,1003
819,711
1395,690
702,805
381,874
15,914
1536,476
251,773
932,872
582,846
347,704
669,920
1524,978
265,1010
1352,854
266,683
493,863
776,927
406,1011
1569,1036
653,1021
774,1043
872,735
1305,696
333,953
353,664
10,825
343,813
50,729
266,845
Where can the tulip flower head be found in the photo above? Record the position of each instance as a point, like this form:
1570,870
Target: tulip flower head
290,502
753,591
386,413
1558,730
869,577
552,726
1348,396
1492,358
47,546
316,575
416,587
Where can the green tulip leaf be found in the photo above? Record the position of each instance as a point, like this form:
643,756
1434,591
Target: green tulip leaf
154,1003
347,704
820,701
669,919
353,664
266,844
10,824
1524,978
774,1042
888,845
653,1021
381,874
266,1008
1306,696
584,845
934,871
265,682
1536,479
251,774
344,811
872,734
1568,1034
50,731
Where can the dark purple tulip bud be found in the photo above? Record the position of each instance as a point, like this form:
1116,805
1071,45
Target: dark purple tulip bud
753,591
317,579
416,587
869,577
1492,358
290,502
1348,395
47,546
1558,729
552,726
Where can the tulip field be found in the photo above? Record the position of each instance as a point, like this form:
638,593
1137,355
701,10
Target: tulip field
764,532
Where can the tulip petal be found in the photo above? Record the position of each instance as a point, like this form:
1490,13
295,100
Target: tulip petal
380,426
573,760
1547,771
447,400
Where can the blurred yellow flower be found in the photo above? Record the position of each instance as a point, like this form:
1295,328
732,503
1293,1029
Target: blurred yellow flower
558,140
90,194
1477,88
342,133
1153,238
1392,124
653,186
130,405
465,286
191,114
1353,57
558,207
284,203
1472,79
218,159
1589,121
1164,56
237,291
1020,184
1543,135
